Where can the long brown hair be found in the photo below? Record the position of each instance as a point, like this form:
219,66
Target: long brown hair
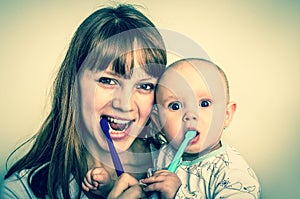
57,152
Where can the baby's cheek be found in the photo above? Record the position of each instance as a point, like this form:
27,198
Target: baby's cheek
171,130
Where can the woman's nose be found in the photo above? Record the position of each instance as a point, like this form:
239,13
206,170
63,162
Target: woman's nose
122,100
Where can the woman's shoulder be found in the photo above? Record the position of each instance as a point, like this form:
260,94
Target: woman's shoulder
16,186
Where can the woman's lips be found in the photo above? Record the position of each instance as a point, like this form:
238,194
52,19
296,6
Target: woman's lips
118,134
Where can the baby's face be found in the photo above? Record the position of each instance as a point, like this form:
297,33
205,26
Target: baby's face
192,98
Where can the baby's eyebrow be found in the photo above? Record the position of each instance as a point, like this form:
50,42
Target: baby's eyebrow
169,98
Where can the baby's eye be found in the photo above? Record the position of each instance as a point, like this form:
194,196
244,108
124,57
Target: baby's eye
146,87
205,103
175,106
107,81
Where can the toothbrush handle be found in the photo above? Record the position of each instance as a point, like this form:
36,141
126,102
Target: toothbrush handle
113,152
175,162
115,158
174,165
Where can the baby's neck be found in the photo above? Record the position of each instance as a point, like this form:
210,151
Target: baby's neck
193,156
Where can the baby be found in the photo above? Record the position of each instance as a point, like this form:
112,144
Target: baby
193,94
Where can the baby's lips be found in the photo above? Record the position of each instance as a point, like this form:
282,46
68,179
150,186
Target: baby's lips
191,129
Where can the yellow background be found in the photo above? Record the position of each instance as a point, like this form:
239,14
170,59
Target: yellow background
256,43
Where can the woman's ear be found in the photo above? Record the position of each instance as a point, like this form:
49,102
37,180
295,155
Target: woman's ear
156,131
230,110
154,117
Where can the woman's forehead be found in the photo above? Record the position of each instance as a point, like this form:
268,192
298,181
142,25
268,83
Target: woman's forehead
137,72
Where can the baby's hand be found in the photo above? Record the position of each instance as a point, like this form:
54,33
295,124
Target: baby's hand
97,179
163,181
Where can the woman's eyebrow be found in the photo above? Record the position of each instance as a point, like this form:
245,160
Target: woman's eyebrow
148,79
112,73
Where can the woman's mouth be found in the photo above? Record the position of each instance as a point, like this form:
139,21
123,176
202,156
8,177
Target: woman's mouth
118,128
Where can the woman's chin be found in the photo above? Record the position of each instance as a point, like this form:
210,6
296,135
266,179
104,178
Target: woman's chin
123,144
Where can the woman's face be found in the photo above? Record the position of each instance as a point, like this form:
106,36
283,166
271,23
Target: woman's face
125,102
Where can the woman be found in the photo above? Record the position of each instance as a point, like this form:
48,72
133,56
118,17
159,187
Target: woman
110,71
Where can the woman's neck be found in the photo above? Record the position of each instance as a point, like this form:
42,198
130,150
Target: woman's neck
135,161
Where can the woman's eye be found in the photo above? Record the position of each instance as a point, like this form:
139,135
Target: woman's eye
205,103
107,81
175,106
147,87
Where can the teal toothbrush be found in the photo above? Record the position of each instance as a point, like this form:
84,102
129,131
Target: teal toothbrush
189,135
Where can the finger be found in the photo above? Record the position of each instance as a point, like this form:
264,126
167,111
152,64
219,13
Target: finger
97,171
162,172
124,182
84,187
98,177
153,187
88,184
154,179
88,176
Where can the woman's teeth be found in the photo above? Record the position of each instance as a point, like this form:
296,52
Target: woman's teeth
118,121
118,124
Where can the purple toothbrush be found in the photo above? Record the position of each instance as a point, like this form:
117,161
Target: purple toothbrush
112,149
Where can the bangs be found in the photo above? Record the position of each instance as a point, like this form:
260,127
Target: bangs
122,51
145,58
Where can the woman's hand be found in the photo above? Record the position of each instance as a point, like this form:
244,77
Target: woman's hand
163,181
98,181
126,187
97,178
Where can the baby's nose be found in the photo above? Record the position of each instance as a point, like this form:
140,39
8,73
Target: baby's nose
190,116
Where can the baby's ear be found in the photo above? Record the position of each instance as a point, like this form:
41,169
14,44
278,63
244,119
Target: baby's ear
230,110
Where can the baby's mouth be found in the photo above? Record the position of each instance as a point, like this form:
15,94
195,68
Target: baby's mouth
196,138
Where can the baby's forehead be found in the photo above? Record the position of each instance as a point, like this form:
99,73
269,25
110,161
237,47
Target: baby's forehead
181,77
195,74
188,69
193,64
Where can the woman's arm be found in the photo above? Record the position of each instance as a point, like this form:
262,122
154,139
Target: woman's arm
16,186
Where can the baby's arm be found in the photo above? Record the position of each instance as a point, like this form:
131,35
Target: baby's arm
237,184
98,181
164,181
